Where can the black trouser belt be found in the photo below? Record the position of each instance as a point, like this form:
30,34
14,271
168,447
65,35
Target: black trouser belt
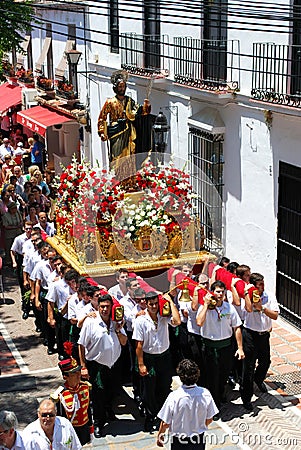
259,333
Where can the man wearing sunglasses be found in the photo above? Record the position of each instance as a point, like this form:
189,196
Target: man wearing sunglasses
9,436
50,431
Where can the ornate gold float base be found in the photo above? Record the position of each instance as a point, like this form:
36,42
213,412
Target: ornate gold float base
106,267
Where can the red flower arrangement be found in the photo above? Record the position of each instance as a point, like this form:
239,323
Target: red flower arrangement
94,199
68,190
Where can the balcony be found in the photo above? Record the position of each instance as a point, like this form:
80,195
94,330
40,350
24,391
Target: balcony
144,55
207,64
64,89
277,74
204,64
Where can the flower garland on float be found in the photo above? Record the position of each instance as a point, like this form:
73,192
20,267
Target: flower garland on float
91,199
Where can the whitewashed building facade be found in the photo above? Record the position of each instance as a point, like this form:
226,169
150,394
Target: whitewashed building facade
228,78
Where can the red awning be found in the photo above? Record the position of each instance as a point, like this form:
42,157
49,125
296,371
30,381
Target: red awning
10,95
38,118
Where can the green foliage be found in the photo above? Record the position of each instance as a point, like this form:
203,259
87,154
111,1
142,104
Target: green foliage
16,19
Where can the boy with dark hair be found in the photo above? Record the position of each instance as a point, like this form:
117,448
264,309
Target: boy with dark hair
187,411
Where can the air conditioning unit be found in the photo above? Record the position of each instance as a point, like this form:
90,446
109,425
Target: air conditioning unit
28,98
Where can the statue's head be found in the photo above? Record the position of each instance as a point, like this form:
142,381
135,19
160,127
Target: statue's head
119,79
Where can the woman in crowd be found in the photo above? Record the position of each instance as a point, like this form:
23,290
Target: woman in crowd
40,182
32,216
7,168
41,199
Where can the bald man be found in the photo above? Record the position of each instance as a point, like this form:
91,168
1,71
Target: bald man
50,432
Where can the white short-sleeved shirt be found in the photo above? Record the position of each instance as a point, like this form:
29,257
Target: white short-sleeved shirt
83,309
116,292
31,261
52,276
49,230
239,309
41,272
192,326
28,248
64,436
186,410
58,293
18,243
72,304
155,338
132,318
129,306
18,445
219,322
258,321
101,345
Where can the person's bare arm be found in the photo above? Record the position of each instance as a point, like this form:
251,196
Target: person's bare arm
173,283
264,310
176,319
82,358
141,366
13,258
121,337
160,438
37,291
50,309
201,317
238,336
195,299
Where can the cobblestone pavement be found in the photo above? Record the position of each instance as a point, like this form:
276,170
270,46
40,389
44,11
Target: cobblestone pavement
29,374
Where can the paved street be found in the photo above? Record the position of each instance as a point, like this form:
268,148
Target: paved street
29,374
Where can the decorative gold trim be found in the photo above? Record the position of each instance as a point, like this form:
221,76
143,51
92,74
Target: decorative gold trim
109,267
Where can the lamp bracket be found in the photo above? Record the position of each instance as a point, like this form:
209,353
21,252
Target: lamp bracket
173,109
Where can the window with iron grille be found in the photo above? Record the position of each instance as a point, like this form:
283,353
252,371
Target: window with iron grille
114,26
206,158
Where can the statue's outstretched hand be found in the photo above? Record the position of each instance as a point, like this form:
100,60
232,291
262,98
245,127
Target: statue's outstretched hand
103,137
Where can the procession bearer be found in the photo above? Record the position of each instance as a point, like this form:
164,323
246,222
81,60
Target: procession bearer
154,359
218,322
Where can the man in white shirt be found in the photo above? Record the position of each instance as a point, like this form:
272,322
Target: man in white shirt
48,227
256,338
5,149
100,344
31,257
58,295
217,326
119,290
16,253
89,306
39,276
50,432
153,355
187,411
10,438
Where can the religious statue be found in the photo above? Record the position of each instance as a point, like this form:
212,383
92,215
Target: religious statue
116,125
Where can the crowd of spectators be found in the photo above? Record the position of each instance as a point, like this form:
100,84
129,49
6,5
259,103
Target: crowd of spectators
26,190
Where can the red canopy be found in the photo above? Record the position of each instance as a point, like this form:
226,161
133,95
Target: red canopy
39,118
10,95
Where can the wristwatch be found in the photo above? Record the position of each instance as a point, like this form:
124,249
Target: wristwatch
263,308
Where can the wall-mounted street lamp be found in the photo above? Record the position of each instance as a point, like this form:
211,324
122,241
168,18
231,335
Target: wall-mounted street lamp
73,57
160,130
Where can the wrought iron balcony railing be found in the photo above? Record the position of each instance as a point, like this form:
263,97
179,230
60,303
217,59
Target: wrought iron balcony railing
144,54
276,76
207,64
